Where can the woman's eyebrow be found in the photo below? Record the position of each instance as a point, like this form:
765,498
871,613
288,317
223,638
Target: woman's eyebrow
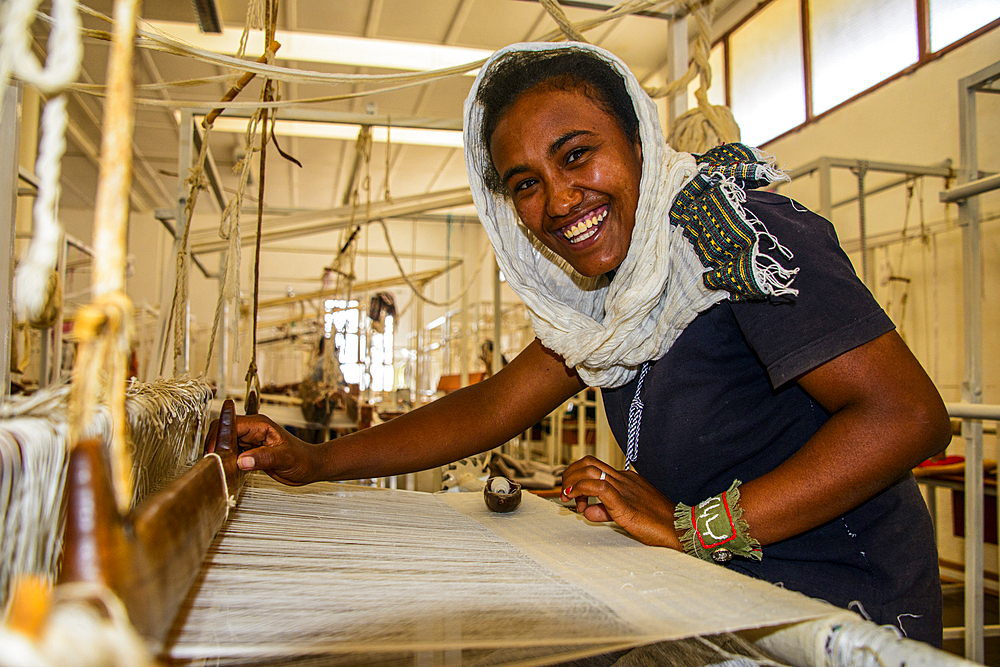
561,141
514,171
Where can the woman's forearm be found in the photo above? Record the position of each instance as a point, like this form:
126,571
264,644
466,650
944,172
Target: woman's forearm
471,420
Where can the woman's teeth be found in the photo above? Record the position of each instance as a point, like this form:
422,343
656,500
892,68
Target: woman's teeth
585,228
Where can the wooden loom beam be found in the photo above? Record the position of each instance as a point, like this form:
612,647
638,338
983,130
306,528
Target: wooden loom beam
150,557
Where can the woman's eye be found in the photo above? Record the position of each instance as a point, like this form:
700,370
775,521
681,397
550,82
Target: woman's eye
524,185
576,154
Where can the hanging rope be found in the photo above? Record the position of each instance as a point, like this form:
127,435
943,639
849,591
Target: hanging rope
104,329
417,290
251,401
155,40
707,125
37,297
196,182
229,229
559,16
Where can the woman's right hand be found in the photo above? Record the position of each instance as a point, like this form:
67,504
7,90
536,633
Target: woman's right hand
266,446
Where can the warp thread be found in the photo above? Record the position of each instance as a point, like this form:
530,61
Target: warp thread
153,39
165,419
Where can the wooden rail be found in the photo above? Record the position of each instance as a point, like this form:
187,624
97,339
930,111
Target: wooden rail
150,557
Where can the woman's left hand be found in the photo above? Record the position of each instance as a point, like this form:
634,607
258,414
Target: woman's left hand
625,498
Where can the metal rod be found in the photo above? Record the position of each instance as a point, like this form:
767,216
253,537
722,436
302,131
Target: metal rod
973,411
971,189
10,137
888,185
888,167
972,387
336,218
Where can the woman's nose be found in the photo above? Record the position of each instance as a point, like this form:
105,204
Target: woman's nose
563,197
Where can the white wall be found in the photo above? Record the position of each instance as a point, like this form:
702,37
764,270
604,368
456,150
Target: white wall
915,120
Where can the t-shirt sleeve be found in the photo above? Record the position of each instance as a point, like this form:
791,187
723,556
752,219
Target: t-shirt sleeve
833,312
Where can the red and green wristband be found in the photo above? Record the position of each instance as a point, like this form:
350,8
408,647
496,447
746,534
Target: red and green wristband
714,529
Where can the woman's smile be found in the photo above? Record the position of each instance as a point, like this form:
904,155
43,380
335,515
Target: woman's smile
572,175
586,226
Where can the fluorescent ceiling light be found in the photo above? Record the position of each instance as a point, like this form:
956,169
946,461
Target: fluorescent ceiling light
335,49
310,129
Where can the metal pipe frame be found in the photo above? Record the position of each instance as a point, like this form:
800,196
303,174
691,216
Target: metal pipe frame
10,138
349,118
972,387
825,165
317,222
971,189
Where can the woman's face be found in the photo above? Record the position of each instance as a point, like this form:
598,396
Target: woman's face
572,174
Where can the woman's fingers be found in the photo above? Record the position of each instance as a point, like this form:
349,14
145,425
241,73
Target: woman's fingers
586,469
597,513
623,497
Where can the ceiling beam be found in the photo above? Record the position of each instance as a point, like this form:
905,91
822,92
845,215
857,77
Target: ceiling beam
420,278
206,240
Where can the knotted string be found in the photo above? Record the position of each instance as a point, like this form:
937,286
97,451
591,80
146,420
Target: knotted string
635,421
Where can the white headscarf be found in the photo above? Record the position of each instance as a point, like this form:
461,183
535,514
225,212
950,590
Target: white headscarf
605,331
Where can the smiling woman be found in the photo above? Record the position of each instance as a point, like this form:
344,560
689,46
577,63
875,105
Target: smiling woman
658,276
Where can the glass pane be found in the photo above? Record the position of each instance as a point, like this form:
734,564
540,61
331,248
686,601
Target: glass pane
951,20
768,90
717,91
858,43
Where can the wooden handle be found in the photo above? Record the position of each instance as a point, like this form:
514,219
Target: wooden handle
149,558
227,447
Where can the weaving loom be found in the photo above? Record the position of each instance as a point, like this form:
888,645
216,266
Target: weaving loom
333,574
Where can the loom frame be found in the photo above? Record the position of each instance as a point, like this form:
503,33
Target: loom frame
150,557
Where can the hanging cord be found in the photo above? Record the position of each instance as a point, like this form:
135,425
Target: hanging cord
251,402
415,288
229,229
196,182
559,16
153,39
36,288
231,214
635,421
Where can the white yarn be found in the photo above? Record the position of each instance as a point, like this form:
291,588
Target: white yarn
62,67
156,40
32,277
77,634
604,331
166,419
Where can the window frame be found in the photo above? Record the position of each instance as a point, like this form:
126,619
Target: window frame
924,56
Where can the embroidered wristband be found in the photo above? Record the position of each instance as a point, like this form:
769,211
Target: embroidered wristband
714,529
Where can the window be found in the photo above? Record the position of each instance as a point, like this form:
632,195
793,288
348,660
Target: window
362,364
768,86
853,46
951,20
858,43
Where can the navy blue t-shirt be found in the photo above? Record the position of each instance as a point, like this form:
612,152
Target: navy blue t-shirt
723,404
